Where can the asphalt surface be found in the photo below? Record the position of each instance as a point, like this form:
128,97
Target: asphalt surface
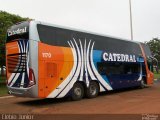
130,101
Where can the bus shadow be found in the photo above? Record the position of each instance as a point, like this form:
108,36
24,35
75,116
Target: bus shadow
120,91
45,101
51,101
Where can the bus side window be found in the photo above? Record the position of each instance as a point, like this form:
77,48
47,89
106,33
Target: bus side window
51,70
118,68
102,68
143,69
131,68
47,34
110,68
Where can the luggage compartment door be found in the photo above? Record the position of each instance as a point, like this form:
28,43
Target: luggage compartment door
48,78
51,78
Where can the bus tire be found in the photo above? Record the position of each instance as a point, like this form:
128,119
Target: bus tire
143,83
77,92
92,90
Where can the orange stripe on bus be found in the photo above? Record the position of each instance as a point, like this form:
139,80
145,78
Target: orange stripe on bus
55,64
149,74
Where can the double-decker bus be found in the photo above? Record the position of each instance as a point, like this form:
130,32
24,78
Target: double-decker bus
50,61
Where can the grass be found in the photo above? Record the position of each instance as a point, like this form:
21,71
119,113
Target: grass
157,76
3,88
2,79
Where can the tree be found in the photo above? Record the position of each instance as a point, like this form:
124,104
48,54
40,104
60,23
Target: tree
6,20
154,45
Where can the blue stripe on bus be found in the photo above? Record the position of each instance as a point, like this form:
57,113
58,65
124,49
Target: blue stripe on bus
97,57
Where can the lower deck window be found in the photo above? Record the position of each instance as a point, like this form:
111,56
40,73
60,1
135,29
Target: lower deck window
106,68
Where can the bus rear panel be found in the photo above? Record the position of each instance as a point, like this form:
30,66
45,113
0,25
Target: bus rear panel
20,75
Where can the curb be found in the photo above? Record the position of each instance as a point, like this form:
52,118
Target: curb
3,97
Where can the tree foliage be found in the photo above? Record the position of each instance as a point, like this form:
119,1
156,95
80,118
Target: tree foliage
6,20
154,45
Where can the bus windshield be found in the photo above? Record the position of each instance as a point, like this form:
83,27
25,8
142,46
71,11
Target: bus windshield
18,31
148,56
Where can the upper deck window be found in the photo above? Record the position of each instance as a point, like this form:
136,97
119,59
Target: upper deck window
47,34
53,36
60,36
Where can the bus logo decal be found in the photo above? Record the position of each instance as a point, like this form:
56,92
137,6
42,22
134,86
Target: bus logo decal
119,57
18,31
85,69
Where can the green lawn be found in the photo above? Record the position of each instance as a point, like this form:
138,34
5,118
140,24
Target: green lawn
3,88
157,76
2,79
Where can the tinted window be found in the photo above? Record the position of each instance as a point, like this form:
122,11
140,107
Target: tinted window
47,34
19,31
59,37
105,68
148,55
62,36
146,50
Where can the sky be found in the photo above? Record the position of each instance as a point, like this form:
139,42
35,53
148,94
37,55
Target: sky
107,17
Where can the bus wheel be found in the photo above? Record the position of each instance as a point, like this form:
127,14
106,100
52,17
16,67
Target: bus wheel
143,84
92,90
77,91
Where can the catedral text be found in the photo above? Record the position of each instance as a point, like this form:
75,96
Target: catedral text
119,57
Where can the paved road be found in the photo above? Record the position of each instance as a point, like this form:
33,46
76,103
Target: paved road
133,101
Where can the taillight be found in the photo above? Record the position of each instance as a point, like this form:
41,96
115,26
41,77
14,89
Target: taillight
32,80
